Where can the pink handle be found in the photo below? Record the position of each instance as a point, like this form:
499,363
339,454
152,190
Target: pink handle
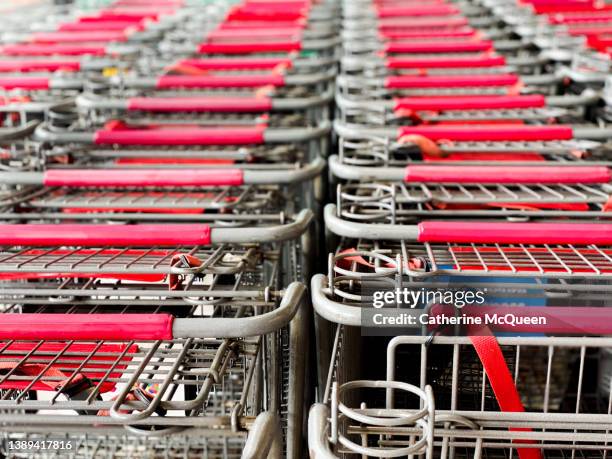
152,177
448,33
422,10
249,47
264,15
120,327
78,37
48,50
25,82
493,133
422,23
441,46
252,63
258,25
507,174
559,320
219,81
38,65
201,104
446,62
450,81
469,102
590,30
577,18
100,25
250,34
515,233
191,136
104,235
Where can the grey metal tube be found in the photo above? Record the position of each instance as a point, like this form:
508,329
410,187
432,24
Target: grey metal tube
286,135
256,177
303,103
277,233
91,102
21,178
243,327
348,172
317,438
265,438
42,134
593,133
332,311
16,133
370,231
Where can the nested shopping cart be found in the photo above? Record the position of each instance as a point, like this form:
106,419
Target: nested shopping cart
177,334
470,395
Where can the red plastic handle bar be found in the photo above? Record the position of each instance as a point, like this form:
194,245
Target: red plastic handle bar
446,62
421,10
150,177
219,81
120,327
448,33
249,47
483,132
441,46
422,23
252,63
577,18
24,82
265,15
104,235
590,30
515,233
100,25
201,104
450,81
113,17
507,174
191,136
469,102
250,34
33,49
78,37
559,320
38,65
256,25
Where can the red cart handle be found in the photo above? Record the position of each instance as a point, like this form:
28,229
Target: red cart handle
175,136
100,25
590,30
250,34
559,320
469,102
49,65
450,81
24,82
514,233
421,10
424,34
121,327
34,49
250,47
249,63
104,235
577,18
201,104
446,62
507,174
79,37
219,81
422,23
264,15
492,133
151,177
441,46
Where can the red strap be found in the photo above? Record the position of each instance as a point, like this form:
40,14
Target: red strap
502,383
36,371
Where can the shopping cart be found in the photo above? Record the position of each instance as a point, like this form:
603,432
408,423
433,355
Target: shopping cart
162,325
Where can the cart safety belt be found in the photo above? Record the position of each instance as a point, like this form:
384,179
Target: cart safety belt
38,372
501,381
